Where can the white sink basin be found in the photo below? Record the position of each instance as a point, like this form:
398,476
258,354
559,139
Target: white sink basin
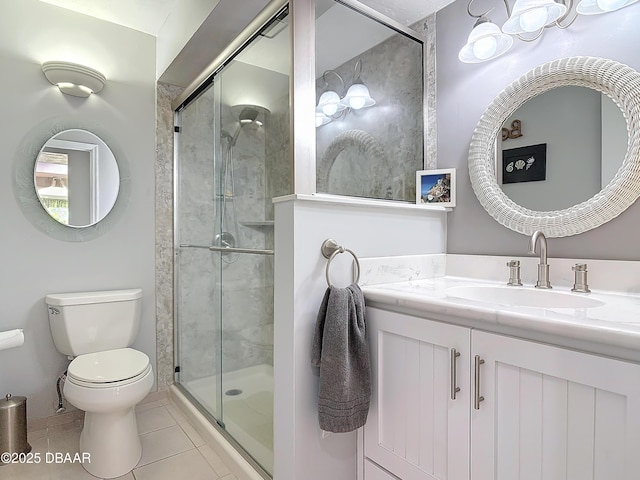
523,297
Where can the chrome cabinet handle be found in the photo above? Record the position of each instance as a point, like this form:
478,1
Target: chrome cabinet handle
478,398
454,373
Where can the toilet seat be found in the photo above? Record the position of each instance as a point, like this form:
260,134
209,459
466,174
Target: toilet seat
110,368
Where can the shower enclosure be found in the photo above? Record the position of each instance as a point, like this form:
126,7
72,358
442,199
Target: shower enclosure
231,159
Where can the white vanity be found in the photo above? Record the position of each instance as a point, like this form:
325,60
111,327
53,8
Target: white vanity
481,388
476,380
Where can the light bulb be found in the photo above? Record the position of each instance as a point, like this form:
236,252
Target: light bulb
610,5
356,102
329,103
358,97
330,109
321,119
484,48
534,19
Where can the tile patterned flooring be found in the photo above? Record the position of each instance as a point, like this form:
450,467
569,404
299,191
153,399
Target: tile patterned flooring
171,449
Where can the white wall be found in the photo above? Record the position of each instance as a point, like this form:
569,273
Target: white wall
465,90
34,264
301,226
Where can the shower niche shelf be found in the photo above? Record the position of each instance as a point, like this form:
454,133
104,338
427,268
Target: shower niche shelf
260,224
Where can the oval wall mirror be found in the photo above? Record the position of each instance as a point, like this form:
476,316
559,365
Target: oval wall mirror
76,178
617,81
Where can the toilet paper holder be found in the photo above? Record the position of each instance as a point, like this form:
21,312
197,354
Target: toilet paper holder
11,339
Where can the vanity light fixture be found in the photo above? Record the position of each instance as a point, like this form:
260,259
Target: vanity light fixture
595,7
528,17
486,41
74,79
532,15
331,107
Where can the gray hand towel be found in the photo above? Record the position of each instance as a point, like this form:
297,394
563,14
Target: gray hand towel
341,350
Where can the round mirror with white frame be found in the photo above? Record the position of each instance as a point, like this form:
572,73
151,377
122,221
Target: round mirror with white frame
619,82
76,178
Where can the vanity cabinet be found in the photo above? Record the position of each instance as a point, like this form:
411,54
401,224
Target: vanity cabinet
524,409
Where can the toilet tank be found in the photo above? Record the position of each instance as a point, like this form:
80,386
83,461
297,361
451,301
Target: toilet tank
87,322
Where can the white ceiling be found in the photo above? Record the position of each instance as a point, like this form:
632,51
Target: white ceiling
225,22
149,15
144,15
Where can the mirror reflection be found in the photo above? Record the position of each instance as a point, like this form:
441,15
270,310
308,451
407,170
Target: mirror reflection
76,178
560,148
369,86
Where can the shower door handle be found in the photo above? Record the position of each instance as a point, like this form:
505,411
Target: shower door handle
254,251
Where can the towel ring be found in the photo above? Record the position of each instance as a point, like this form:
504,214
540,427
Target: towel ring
330,250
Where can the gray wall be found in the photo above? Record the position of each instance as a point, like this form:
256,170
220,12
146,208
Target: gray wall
465,90
33,263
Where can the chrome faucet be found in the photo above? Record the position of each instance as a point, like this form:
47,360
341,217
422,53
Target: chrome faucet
543,267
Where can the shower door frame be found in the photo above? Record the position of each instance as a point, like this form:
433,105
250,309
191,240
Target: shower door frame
191,93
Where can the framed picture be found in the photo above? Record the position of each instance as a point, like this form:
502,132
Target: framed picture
524,164
436,187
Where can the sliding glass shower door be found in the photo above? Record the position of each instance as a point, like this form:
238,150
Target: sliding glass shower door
232,159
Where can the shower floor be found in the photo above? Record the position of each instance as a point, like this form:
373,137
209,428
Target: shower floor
247,408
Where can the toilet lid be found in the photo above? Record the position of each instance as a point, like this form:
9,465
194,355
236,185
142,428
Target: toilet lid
108,366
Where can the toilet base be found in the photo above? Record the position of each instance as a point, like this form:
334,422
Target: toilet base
112,441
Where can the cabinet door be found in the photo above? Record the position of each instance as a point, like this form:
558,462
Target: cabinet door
554,414
374,472
415,429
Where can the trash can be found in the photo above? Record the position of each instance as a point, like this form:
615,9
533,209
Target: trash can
13,425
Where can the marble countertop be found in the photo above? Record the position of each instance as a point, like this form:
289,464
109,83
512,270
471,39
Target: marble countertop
612,329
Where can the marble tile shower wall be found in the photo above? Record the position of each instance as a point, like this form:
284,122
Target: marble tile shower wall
394,125
260,169
164,234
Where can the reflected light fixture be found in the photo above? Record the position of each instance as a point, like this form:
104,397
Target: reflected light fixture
331,107
74,79
527,22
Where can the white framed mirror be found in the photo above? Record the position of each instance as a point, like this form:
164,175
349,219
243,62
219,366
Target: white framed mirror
615,80
76,178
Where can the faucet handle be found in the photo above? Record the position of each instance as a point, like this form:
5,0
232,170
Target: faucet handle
580,282
514,273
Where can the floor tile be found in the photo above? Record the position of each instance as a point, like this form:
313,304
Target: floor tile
163,443
191,432
169,450
153,419
70,471
189,465
30,471
146,406
67,441
214,460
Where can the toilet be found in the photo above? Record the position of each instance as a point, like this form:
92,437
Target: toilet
106,379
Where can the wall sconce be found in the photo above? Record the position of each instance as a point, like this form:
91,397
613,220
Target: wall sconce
74,79
486,41
331,107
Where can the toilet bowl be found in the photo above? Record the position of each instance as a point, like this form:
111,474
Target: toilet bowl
107,386
106,378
